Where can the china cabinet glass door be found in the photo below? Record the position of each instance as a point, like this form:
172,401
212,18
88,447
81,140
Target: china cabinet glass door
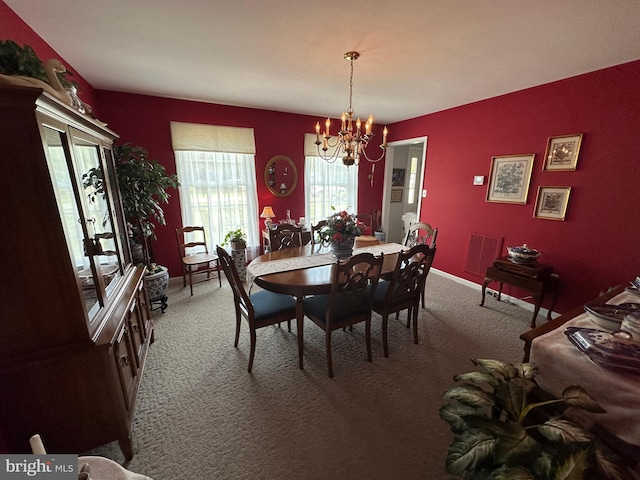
82,189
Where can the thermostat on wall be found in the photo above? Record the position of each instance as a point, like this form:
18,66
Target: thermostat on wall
478,180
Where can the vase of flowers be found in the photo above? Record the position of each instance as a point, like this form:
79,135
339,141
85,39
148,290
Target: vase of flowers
341,231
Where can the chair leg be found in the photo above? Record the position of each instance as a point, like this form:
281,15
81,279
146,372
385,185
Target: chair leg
238,322
367,334
329,363
385,339
423,305
191,281
252,352
415,324
218,270
289,325
408,317
184,278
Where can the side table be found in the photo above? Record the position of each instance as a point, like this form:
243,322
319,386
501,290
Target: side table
534,277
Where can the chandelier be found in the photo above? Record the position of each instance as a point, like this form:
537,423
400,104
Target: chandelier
352,140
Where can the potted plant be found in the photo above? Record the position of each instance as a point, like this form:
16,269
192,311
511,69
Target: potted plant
498,435
236,239
143,186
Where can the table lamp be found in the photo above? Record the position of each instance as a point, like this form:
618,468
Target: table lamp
267,214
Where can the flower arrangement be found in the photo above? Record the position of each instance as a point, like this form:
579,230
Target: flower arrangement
340,225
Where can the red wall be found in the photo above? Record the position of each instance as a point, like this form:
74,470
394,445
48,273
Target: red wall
596,247
13,28
598,244
144,120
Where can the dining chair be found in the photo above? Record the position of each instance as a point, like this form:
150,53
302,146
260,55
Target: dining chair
403,290
285,236
420,233
261,309
195,257
349,301
315,237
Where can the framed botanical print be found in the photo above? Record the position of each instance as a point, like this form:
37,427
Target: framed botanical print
509,179
551,203
562,152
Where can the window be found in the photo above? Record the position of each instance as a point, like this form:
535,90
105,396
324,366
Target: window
327,184
217,187
413,178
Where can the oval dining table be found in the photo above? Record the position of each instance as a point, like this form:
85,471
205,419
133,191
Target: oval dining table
303,277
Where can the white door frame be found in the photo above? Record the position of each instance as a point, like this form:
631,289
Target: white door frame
388,172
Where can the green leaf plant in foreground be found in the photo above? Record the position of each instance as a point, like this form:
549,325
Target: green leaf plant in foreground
501,433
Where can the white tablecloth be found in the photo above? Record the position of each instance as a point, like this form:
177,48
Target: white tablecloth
561,364
256,269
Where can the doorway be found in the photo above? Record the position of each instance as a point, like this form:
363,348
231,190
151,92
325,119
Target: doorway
403,185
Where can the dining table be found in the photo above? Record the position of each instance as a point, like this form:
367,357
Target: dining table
308,270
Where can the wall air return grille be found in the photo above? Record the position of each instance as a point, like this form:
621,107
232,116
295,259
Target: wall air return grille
483,250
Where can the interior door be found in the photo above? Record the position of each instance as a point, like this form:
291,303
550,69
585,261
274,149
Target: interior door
403,185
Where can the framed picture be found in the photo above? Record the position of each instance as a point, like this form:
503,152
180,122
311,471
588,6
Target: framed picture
509,179
562,152
397,177
551,203
396,194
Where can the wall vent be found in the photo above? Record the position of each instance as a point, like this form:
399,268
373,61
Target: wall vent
483,250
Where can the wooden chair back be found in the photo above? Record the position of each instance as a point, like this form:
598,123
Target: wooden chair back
409,277
195,257
315,238
285,236
420,233
199,244
352,288
240,295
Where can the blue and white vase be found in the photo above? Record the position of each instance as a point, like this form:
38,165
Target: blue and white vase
157,284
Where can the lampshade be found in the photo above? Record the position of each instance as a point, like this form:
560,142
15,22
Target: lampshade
267,212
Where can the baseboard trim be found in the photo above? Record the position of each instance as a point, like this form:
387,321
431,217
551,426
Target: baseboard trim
513,300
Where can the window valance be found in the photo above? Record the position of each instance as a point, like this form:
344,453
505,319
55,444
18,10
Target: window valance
212,138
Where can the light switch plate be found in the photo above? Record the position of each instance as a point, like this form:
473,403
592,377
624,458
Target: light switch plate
478,180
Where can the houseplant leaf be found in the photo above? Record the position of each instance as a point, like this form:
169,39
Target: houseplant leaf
574,467
453,414
564,431
515,447
469,395
478,377
576,396
505,369
469,451
511,396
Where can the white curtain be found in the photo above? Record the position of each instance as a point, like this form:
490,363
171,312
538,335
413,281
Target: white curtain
218,191
326,185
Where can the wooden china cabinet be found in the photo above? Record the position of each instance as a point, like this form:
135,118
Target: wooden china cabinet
75,325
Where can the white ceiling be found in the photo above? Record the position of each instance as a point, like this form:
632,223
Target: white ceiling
417,56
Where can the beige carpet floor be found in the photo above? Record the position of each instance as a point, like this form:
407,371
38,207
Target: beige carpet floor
200,414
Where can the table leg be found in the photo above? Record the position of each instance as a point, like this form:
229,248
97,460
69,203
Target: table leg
300,328
486,282
538,301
